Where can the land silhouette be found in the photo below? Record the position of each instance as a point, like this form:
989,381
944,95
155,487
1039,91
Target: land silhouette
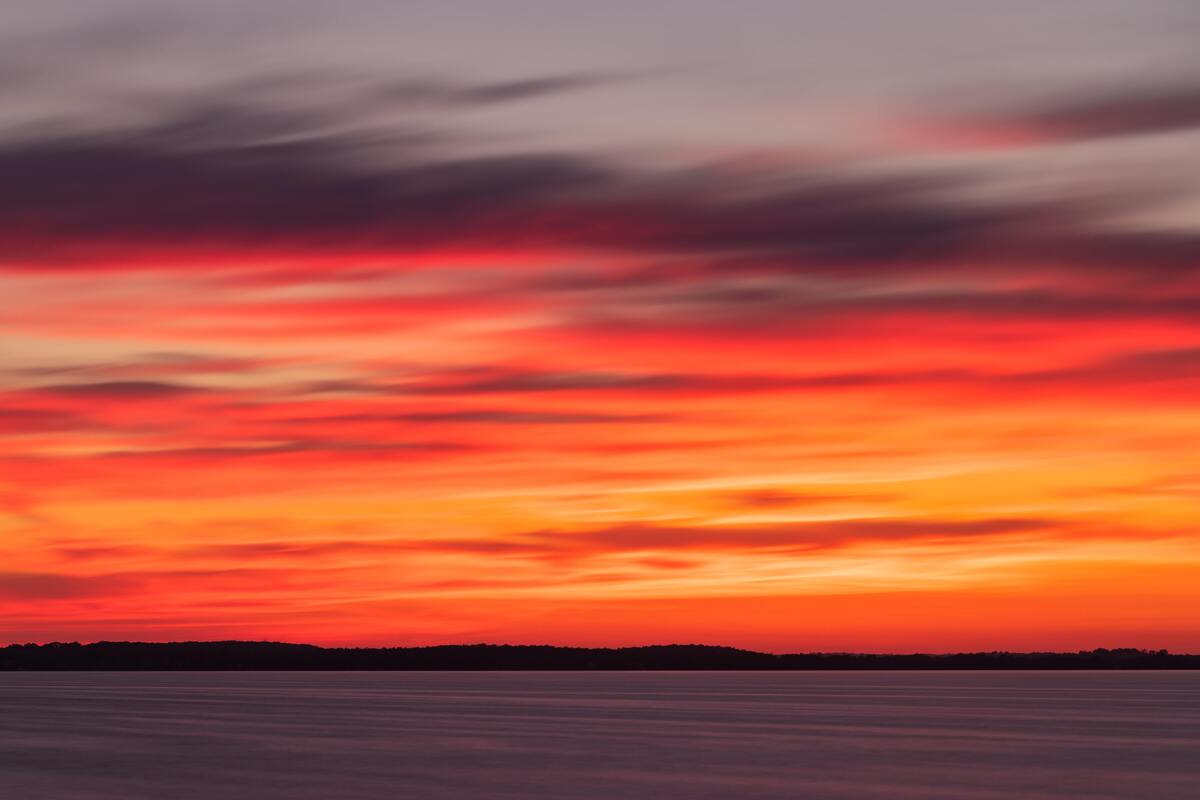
240,655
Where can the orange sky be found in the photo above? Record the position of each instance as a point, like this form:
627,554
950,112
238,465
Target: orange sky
277,365
193,452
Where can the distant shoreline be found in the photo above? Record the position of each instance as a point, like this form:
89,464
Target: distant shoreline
275,656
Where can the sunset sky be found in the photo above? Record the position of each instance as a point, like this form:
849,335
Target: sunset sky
795,325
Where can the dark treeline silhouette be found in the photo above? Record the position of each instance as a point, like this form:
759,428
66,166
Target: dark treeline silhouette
278,656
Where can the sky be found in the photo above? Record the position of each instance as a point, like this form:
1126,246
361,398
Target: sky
795,326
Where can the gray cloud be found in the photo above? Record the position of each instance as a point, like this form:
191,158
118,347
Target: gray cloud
462,93
235,178
1126,111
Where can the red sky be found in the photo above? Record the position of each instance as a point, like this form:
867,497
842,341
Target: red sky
276,369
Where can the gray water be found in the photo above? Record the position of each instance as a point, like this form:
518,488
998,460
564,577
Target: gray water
728,735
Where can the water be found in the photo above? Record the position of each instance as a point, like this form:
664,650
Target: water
428,736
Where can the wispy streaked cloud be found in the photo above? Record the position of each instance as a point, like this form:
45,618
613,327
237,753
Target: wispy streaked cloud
366,325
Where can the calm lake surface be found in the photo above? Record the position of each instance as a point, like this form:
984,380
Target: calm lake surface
727,735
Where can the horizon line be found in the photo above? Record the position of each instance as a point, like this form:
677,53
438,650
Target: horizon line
477,644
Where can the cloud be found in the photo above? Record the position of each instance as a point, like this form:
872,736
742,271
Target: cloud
479,416
24,420
205,178
779,498
157,363
294,549
123,390
34,586
1137,110
499,381
783,539
461,93
64,195
100,552
1134,110
365,449
792,537
1118,369
486,381
791,309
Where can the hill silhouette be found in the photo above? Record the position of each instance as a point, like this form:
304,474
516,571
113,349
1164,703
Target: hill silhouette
237,655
